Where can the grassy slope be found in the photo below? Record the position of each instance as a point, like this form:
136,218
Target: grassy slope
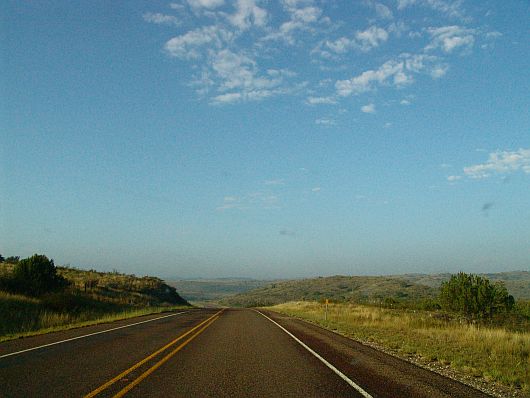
336,288
366,289
517,282
121,288
107,297
494,354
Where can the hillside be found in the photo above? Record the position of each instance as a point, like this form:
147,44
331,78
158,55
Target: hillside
372,289
87,297
114,287
517,282
122,288
367,289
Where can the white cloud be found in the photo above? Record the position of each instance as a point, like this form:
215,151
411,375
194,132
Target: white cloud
439,71
279,181
248,14
235,70
450,8
339,46
188,45
227,98
397,73
254,200
365,81
453,178
316,189
240,75
371,38
302,14
363,41
321,100
383,11
405,102
161,19
208,4
233,59
501,162
490,38
176,6
231,202
449,38
369,108
324,121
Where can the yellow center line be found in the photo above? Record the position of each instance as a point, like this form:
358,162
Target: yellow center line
154,354
161,362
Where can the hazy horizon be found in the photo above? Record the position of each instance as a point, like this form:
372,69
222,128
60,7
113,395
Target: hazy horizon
257,139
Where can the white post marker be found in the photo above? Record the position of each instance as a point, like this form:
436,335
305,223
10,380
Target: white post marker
333,368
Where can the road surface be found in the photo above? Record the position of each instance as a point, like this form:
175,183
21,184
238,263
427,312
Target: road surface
210,353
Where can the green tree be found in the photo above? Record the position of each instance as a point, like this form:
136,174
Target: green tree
37,275
2,259
12,259
475,296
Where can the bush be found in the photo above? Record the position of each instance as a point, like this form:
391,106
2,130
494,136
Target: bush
36,275
474,296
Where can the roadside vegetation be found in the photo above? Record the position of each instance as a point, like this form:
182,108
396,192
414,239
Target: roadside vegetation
38,297
474,327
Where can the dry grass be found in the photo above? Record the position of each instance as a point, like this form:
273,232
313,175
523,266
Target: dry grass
24,316
496,354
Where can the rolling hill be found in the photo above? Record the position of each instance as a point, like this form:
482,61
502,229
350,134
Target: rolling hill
366,289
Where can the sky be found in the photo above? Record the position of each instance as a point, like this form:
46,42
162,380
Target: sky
267,139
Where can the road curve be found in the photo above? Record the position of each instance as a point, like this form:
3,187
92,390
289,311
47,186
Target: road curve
211,353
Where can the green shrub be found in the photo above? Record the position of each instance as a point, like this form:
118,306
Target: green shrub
36,275
475,296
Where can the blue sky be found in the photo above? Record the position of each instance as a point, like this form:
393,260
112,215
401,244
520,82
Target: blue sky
269,139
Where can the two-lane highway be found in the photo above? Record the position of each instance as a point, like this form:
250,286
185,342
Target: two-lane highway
209,353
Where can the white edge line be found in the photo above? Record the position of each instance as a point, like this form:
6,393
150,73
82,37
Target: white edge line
333,368
90,334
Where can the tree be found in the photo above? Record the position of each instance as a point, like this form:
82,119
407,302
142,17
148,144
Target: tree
37,275
475,296
12,259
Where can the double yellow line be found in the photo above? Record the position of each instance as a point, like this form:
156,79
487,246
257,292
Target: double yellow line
194,332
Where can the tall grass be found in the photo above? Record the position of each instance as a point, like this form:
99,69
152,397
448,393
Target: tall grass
496,354
23,316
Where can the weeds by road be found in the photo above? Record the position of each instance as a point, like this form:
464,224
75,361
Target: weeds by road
492,353
24,316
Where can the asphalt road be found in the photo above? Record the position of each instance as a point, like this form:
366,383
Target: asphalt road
210,353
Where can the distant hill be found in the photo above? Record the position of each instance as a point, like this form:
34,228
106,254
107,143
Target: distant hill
366,289
212,290
517,282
